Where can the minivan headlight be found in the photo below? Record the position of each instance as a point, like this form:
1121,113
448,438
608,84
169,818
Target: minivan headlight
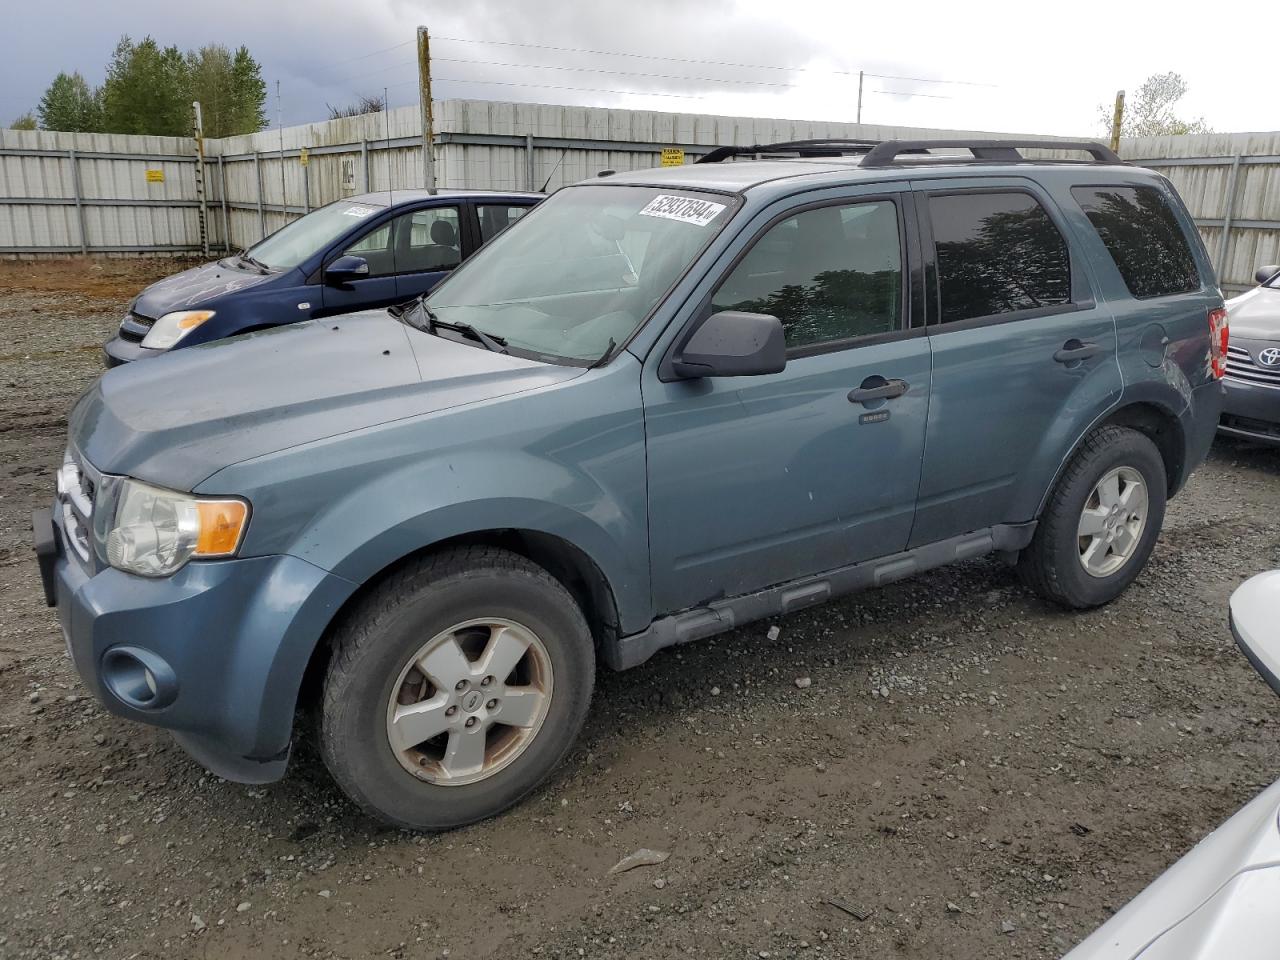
172,327
153,532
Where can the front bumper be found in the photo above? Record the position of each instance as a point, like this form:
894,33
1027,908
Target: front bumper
120,351
1251,411
235,636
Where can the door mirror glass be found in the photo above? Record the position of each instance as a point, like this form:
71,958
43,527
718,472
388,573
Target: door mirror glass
733,344
1266,273
345,269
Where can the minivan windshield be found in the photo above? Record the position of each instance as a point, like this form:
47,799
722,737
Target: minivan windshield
583,269
296,241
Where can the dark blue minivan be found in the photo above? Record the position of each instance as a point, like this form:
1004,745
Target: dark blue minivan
366,251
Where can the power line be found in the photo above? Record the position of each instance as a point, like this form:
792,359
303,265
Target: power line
715,63
548,86
366,56
618,73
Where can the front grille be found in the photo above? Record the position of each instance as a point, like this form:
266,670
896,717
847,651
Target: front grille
1241,366
77,490
135,326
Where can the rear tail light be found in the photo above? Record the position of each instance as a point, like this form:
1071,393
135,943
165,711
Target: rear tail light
1218,341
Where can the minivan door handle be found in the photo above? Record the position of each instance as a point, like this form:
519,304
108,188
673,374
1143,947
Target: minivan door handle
878,388
1073,351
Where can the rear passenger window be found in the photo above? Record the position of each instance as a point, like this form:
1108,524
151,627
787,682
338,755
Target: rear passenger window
496,217
997,253
832,273
1144,238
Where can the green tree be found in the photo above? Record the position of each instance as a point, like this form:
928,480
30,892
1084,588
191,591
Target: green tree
1149,112
25,122
230,90
70,104
147,90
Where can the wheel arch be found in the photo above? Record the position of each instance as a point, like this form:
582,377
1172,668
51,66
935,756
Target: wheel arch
572,566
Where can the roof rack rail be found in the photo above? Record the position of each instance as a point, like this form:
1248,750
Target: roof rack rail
1002,151
805,148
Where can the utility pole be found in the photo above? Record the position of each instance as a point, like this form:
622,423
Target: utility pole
284,193
1117,120
424,100
859,96
198,124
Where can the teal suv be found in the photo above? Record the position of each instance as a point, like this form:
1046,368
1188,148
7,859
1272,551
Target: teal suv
661,405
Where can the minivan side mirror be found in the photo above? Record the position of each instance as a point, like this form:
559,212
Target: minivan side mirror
1266,273
733,344
345,269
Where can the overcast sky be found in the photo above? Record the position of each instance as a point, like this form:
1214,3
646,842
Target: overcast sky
1022,66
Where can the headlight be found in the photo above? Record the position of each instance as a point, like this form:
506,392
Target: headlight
153,532
172,327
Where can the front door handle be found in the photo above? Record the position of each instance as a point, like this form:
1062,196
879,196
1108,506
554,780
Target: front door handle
878,388
1073,351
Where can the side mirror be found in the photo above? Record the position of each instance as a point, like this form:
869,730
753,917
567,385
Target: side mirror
733,344
1266,273
345,269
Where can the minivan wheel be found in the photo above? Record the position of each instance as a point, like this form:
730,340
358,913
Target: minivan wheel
454,688
1101,522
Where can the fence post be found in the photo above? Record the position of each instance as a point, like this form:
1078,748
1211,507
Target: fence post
528,161
257,172
222,192
306,189
1224,242
75,189
364,161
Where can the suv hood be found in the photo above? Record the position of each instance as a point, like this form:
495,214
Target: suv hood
1255,315
195,288
178,419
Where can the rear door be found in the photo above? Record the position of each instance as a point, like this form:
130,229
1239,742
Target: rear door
1024,357
754,481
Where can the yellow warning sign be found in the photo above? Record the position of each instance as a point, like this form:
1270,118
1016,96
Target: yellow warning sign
672,157
303,157
155,176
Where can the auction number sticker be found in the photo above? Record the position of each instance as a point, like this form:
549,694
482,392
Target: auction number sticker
360,212
684,209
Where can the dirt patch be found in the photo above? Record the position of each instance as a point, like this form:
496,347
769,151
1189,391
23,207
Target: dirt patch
964,758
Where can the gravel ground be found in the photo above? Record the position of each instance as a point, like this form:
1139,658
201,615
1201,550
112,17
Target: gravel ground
966,773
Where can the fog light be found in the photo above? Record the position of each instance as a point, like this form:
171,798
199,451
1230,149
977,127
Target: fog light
139,678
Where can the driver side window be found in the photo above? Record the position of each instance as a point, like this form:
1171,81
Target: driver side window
829,274
375,248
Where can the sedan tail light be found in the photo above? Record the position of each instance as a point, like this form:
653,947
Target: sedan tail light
1218,341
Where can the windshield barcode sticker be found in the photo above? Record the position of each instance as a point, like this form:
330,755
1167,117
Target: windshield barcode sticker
361,212
684,209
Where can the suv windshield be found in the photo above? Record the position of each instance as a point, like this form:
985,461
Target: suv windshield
583,269
294,242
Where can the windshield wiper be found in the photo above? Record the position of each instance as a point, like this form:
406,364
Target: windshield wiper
487,340
245,258
600,360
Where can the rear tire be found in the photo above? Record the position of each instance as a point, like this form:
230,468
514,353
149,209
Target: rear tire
1101,522
455,688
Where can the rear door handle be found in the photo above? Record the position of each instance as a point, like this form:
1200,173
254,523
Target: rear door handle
1073,351
878,388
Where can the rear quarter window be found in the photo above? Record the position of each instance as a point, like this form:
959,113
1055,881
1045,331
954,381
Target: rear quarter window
1144,238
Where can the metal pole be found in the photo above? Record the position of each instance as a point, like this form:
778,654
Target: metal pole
284,193
75,187
306,189
1117,122
424,100
1224,243
257,173
859,96
201,194
222,192
528,161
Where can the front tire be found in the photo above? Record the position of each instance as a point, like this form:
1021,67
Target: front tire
455,688
1101,522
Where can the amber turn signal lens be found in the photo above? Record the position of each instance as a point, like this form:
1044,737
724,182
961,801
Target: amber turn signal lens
221,526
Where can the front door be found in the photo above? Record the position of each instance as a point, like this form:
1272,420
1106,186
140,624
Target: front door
378,288
1023,356
755,481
